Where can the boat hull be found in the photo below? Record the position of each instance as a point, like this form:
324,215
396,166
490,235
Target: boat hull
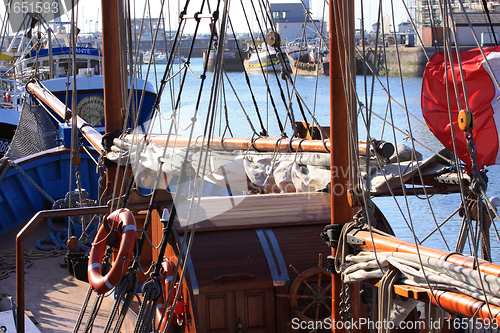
307,68
232,61
90,94
8,125
20,200
264,61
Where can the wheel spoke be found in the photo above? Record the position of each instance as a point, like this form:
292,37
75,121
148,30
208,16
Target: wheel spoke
305,296
309,287
319,281
317,312
306,308
326,306
327,288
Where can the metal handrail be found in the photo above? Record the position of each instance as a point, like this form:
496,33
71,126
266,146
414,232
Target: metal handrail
25,232
30,227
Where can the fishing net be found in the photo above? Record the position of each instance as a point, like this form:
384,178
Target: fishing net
35,133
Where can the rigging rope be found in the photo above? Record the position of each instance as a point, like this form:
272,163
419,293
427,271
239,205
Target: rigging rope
263,131
271,99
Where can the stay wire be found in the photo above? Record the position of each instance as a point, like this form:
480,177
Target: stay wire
183,175
317,70
133,73
268,89
318,31
163,82
241,105
151,61
4,28
353,145
433,25
390,109
487,12
491,210
208,132
422,182
176,198
479,46
263,131
448,56
368,113
270,26
130,106
421,43
159,171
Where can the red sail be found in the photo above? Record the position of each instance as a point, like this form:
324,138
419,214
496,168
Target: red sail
482,92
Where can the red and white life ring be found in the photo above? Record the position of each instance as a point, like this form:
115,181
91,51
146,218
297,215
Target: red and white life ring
123,221
166,279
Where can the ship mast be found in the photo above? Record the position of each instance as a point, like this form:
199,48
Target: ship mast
341,13
112,74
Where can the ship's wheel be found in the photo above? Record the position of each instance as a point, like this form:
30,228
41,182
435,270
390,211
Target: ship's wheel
310,294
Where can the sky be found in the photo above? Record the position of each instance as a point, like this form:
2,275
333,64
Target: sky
89,11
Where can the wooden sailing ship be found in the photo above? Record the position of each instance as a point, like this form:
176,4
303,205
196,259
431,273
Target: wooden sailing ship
257,262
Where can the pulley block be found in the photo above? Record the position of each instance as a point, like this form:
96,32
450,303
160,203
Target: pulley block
466,120
273,38
355,197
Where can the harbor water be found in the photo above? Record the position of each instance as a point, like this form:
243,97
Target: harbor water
389,100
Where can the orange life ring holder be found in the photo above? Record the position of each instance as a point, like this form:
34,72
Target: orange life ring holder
167,278
123,221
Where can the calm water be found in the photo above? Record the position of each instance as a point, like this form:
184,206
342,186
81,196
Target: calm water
317,100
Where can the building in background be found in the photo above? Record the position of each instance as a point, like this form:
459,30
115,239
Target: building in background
429,22
292,21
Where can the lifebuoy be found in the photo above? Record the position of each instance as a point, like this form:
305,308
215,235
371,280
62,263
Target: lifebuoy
123,221
166,278
7,97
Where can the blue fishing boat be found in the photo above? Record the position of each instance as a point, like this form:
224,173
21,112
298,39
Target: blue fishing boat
37,169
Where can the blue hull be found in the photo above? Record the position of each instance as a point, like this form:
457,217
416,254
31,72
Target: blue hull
20,200
94,86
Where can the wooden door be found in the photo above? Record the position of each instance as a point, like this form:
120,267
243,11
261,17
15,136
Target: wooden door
250,310
255,310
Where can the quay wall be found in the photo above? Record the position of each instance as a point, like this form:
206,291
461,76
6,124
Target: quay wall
413,60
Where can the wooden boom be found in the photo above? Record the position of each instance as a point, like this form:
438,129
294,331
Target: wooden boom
259,144
452,302
392,244
90,134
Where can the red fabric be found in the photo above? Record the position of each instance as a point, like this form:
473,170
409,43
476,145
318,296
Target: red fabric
480,91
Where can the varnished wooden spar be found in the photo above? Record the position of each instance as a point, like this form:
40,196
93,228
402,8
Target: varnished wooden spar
466,306
260,144
90,134
452,302
393,244
341,103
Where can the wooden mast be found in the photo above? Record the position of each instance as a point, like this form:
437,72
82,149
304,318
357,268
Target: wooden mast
112,75
339,108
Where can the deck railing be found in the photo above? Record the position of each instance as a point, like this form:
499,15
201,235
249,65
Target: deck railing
21,237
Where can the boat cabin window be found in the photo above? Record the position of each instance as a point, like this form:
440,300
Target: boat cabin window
63,68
